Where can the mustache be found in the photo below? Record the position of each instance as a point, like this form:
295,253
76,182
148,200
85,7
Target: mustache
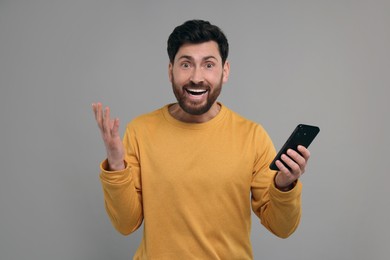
196,85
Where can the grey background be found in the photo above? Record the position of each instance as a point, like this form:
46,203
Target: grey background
319,62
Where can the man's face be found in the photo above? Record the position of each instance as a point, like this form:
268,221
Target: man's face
197,75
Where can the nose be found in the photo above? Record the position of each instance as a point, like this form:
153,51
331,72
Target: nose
197,75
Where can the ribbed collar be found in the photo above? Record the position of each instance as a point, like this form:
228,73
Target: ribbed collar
195,126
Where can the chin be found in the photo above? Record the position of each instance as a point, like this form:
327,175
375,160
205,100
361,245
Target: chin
195,110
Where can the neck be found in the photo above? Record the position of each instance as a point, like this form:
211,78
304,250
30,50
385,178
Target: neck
178,113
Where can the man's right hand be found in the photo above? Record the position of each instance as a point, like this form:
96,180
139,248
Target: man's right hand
109,129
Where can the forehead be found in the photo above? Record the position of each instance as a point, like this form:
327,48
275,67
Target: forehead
199,50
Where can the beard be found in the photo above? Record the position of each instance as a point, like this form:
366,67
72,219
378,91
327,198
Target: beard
196,107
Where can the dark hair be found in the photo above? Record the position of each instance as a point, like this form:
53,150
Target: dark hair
197,31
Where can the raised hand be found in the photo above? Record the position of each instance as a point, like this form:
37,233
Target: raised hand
109,129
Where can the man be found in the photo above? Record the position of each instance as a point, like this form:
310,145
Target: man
189,169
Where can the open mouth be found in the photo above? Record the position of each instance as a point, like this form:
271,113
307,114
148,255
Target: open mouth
196,92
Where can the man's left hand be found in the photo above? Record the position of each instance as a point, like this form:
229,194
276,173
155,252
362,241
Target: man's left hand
297,162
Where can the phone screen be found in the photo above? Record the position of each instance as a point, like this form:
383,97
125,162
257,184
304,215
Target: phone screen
302,135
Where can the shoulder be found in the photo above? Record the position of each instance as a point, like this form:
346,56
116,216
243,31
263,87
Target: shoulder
249,129
252,132
241,121
147,120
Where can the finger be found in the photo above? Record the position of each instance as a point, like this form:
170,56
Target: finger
304,152
115,128
112,123
282,168
106,121
94,109
297,157
284,176
98,115
294,167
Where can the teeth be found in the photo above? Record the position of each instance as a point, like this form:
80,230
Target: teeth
197,90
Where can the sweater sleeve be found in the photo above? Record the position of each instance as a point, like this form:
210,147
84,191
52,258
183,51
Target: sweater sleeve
122,189
279,212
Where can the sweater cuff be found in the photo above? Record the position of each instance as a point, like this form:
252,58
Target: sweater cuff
286,195
114,177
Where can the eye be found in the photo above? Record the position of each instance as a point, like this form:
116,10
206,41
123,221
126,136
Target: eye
185,65
209,65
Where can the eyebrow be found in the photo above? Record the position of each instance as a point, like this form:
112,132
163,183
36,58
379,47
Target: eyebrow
191,58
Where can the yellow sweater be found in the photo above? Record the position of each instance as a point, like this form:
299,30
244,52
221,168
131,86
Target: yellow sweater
193,186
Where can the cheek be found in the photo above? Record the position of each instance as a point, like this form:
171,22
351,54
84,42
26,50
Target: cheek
179,78
217,79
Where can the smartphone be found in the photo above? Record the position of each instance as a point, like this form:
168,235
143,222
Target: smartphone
302,135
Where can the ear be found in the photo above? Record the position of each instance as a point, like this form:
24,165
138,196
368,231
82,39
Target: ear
170,71
226,71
